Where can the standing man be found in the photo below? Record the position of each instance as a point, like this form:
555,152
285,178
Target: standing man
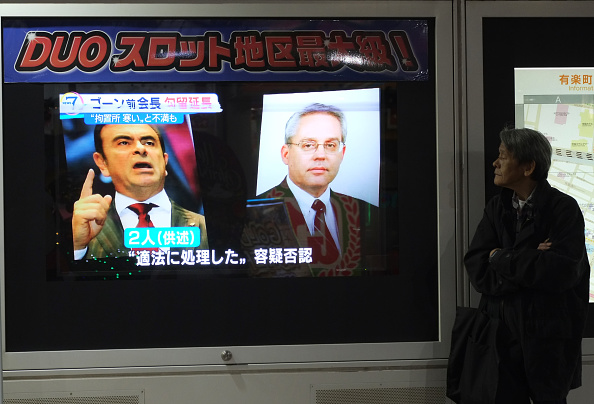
528,260
135,159
322,219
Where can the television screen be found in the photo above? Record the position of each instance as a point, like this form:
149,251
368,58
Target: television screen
299,204
101,128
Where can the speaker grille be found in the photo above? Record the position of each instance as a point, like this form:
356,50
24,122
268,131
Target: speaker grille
385,395
74,398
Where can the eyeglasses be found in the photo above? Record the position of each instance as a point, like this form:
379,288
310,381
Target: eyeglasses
311,146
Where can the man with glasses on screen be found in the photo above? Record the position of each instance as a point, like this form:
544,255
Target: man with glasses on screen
326,221
134,157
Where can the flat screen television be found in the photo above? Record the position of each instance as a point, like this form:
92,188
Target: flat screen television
249,275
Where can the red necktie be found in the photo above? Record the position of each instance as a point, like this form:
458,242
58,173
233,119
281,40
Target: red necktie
320,220
142,210
321,230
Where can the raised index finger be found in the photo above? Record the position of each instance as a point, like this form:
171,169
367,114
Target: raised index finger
87,188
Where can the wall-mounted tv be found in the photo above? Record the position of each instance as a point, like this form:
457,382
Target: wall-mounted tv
230,131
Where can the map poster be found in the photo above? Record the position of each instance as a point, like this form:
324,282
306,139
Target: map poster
559,102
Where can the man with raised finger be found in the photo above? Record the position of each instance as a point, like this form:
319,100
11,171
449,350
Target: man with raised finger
133,155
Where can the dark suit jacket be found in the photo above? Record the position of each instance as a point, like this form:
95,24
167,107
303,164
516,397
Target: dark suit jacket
543,295
352,233
110,241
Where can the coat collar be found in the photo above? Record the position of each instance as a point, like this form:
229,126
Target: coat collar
540,196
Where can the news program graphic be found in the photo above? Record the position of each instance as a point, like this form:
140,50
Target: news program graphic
151,109
180,236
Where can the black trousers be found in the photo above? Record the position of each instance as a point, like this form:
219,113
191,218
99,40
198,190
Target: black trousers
513,385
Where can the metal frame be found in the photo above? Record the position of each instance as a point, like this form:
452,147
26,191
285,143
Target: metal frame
475,12
280,357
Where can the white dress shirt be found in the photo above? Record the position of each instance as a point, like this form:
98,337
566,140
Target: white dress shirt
160,215
305,200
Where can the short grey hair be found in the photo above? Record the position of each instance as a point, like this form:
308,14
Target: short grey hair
527,145
316,108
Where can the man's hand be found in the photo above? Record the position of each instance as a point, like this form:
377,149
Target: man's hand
545,245
89,214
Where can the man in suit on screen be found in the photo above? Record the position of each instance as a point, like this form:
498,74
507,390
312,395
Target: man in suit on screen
324,220
133,155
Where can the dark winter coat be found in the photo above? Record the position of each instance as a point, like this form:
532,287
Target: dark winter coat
542,295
